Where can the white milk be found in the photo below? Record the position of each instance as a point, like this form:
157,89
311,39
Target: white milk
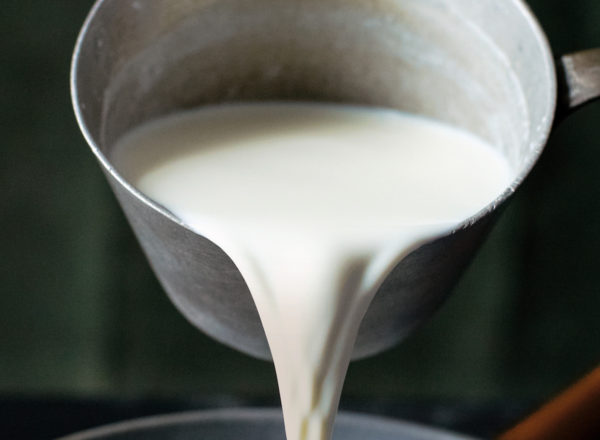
315,204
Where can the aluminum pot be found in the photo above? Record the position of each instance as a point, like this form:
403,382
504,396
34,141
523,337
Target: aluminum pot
259,424
482,65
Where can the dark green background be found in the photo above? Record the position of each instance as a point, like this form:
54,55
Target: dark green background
81,313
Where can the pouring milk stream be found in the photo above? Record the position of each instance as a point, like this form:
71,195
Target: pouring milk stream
315,204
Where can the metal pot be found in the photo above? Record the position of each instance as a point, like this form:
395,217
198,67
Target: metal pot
483,65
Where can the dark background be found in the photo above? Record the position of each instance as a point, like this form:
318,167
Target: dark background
81,315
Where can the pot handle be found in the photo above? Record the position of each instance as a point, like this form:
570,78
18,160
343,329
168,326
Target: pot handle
571,415
578,81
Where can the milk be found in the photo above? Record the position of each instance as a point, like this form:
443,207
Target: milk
315,204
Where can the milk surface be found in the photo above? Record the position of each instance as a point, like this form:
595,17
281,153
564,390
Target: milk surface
315,204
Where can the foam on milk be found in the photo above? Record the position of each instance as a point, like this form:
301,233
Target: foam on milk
315,204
